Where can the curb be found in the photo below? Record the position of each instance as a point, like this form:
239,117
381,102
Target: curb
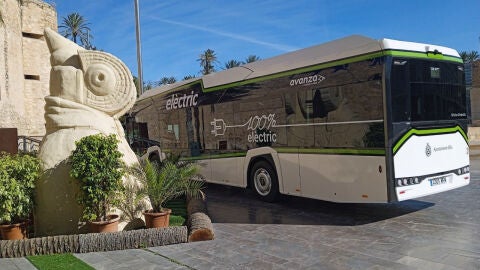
93,242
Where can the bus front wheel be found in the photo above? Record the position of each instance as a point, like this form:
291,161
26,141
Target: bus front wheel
264,181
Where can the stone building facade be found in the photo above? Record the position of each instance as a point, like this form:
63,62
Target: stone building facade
24,64
474,129
475,93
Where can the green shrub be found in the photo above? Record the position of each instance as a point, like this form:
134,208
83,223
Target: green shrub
96,163
18,174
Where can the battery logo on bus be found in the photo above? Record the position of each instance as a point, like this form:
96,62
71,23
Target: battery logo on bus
259,127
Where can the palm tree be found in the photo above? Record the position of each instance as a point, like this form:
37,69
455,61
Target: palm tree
76,27
207,59
252,58
469,57
135,81
232,64
148,85
463,55
188,77
167,80
474,56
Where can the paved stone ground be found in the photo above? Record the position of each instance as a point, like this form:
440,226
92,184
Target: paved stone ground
435,232
16,264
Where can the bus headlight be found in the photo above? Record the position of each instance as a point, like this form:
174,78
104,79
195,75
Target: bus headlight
400,182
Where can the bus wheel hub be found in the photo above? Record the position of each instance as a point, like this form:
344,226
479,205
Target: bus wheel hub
263,182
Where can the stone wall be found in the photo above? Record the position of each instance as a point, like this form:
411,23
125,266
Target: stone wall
11,86
24,64
474,129
475,94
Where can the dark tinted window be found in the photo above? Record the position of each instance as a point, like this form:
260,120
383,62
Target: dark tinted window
335,107
424,90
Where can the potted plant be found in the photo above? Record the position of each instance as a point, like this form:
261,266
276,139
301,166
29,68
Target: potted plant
96,163
166,181
18,174
134,199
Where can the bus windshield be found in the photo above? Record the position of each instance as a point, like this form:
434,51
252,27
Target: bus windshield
427,90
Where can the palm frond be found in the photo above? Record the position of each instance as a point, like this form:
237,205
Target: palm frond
169,180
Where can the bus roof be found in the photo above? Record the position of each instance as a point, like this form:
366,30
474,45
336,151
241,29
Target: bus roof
350,46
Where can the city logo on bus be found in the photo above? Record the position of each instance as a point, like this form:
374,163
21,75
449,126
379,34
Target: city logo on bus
307,80
428,150
443,148
176,101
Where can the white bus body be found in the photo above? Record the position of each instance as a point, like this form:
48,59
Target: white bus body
352,120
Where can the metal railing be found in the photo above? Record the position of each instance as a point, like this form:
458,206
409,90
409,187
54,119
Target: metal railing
28,144
140,145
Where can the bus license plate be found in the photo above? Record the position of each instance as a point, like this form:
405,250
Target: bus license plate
438,181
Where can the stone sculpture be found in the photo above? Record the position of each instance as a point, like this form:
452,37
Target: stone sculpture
89,91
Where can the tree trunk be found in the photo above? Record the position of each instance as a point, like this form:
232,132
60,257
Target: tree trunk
93,242
199,224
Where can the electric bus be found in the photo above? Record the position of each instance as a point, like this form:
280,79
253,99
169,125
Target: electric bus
352,120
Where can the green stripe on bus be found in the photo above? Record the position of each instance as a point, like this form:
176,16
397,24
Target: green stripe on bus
199,81
423,132
339,151
216,156
423,55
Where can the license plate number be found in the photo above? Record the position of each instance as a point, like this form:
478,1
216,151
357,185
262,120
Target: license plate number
438,181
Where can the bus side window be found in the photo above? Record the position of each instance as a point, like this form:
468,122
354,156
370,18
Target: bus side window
174,129
400,90
305,100
298,110
324,101
169,130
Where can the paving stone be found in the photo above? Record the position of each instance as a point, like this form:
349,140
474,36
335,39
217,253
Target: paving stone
97,260
441,231
127,259
16,264
424,264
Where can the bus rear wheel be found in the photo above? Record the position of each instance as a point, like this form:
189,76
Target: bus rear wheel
264,181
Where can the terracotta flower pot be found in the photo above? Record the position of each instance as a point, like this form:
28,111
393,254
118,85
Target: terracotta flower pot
14,231
157,220
110,225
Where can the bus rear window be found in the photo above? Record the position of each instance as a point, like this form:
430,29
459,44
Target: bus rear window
425,90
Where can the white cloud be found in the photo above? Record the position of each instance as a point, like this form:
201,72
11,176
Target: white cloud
279,47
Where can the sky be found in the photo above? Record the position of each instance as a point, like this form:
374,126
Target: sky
175,33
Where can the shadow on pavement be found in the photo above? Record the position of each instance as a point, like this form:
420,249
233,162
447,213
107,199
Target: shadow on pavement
236,205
